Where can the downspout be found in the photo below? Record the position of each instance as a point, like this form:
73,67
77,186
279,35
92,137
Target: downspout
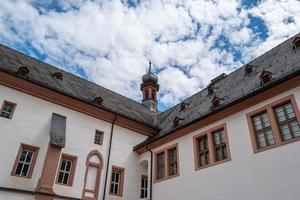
151,171
108,156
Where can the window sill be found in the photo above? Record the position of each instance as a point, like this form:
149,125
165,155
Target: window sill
163,179
68,185
213,164
276,145
116,195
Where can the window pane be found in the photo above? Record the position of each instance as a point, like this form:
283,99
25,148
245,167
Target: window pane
289,126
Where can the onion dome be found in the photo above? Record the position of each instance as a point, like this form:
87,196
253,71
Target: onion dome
150,77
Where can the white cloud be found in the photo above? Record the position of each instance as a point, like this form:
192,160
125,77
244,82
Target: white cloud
113,43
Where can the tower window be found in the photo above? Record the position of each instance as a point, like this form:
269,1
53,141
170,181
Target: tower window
265,77
23,72
58,75
296,42
146,94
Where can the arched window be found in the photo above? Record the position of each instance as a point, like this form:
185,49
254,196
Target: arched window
153,94
94,165
146,94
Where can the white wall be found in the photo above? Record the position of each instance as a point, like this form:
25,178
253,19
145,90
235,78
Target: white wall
31,125
271,174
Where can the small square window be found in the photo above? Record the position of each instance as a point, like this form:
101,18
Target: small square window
7,110
98,137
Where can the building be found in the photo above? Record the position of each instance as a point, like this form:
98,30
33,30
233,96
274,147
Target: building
63,137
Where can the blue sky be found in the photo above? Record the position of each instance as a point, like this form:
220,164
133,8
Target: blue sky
111,42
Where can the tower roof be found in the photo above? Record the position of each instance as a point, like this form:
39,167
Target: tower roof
149,76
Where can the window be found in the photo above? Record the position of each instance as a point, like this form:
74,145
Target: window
98,137
23,72
172,161
274,124
220,145
147,94
58,75
263,130
7,110
176,122
287,120
98,100
296,42
153,94
265,77
66,170
167,163
25,161
203,151
215,102
249,69
144,186
160,165
211,147
183,106
117,181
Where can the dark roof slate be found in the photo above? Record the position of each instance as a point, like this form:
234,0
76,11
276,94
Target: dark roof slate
74,86
280,61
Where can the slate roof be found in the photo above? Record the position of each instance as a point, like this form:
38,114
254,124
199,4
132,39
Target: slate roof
74,86
282,61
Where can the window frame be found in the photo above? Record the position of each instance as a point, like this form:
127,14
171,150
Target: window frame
13,110
270,109
165,151
72,158
121,171
211,147
101,137
144,190
32,163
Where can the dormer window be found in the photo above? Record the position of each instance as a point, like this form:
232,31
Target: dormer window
296,42
249,69
98,100
183,106
210,89
23,72
58,75
176,122
265,77
215,102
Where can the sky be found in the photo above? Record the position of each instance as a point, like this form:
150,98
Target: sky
110,42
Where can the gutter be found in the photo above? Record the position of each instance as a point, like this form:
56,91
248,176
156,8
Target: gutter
108,156
151,171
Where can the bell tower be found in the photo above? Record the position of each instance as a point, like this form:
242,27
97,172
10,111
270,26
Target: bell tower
150,87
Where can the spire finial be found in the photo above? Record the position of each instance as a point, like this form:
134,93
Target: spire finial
150,63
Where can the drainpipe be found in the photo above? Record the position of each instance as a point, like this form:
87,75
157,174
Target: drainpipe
108,157
151,171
